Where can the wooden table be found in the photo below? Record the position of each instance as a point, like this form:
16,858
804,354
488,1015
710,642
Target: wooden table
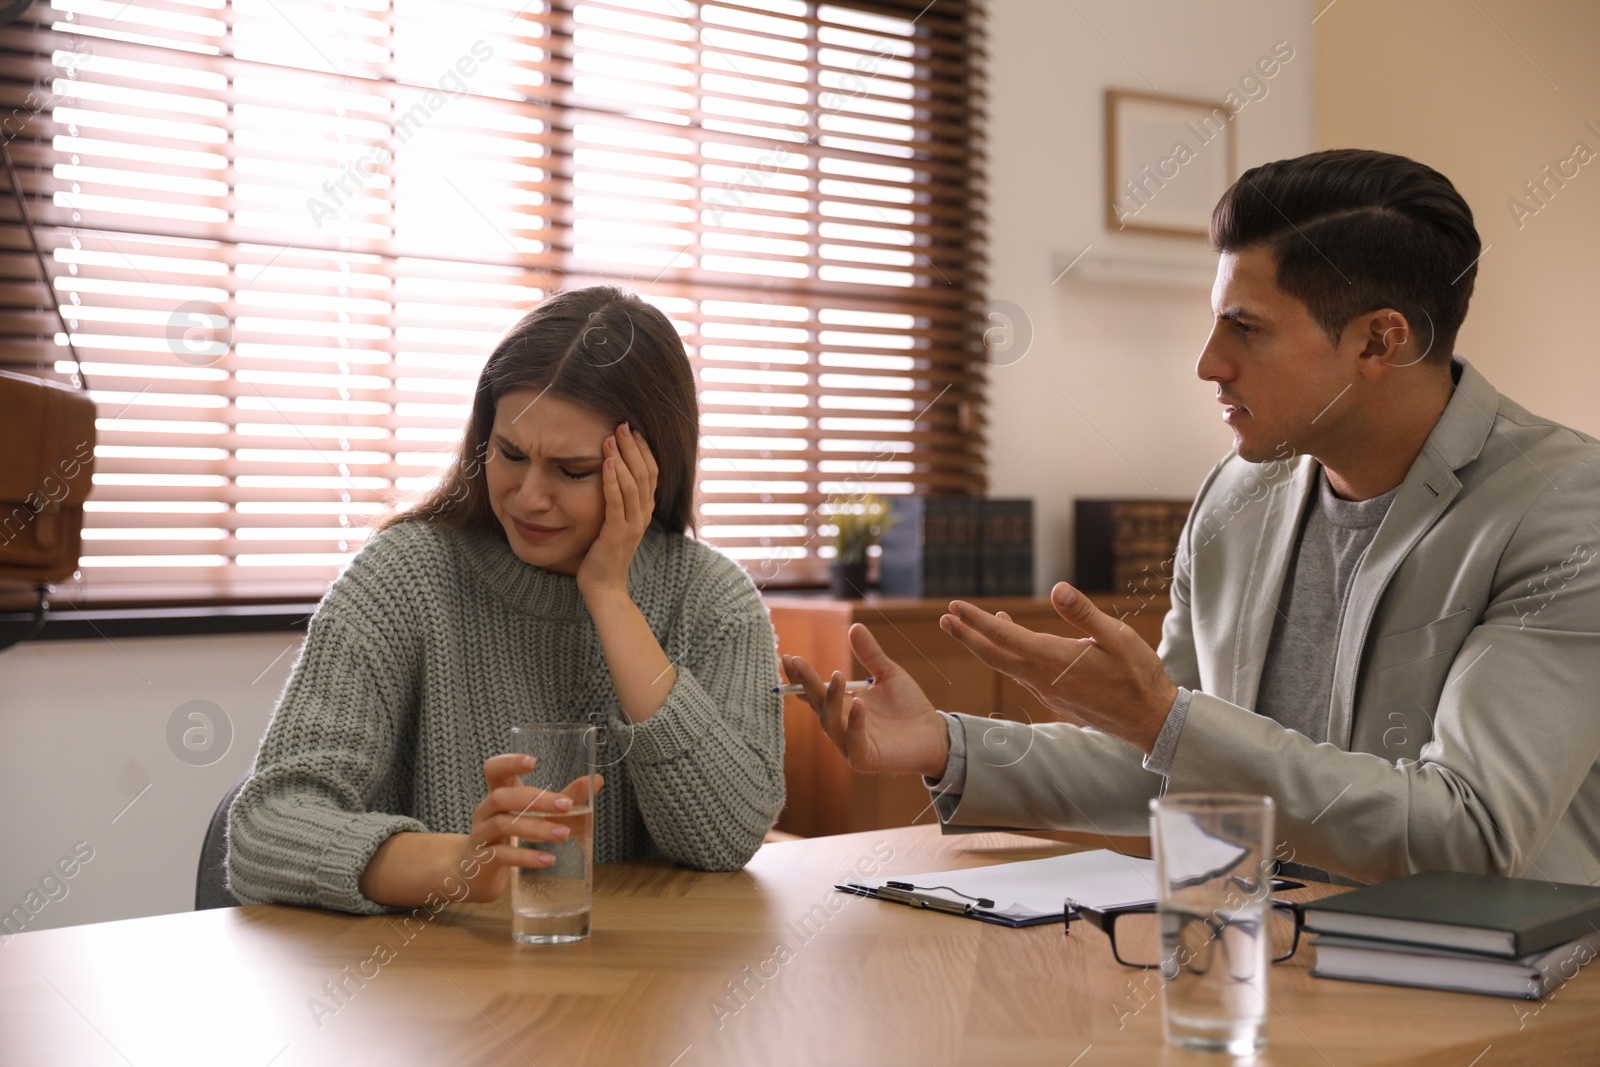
764,966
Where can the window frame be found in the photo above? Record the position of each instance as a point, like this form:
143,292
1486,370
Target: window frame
944,309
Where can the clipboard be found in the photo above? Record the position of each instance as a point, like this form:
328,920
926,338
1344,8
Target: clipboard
1021,894
965,910
1028,892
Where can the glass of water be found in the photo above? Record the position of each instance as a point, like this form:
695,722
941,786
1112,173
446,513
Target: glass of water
550,905
1213,854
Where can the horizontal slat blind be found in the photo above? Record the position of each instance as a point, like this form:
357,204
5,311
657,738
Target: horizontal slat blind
286,233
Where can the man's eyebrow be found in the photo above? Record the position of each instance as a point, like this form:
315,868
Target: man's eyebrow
508,443
1237,312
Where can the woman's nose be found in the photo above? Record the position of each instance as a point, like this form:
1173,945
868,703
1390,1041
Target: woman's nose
533,494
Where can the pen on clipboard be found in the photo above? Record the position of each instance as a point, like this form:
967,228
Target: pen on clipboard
918,900
796,690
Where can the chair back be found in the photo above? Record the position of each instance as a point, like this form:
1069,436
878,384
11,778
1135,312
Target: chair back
211,883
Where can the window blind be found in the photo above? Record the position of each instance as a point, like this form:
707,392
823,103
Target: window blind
286,234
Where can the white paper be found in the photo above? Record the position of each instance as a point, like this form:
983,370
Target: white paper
1033,888
1193,855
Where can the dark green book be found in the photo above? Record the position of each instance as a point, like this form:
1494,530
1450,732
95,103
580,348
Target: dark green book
1483,913
1005,564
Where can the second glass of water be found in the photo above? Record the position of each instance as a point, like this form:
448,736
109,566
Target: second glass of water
1213,855
550,905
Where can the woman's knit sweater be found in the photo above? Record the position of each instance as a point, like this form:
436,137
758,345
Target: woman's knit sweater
433,643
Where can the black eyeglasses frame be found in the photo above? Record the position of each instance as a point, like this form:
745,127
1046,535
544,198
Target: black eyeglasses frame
1105,921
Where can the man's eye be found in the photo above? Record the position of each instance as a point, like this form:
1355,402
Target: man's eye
1244,328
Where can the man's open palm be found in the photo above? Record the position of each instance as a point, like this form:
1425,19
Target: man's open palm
891,728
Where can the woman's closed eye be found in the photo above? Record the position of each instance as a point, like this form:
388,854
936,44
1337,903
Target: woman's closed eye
577,476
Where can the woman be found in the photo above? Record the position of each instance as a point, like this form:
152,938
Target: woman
547,578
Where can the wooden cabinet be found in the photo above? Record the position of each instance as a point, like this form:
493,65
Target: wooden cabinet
825,796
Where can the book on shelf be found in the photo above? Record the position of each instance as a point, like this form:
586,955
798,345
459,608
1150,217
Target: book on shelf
1484,914
950,546
1005,559
1531,977
1126,546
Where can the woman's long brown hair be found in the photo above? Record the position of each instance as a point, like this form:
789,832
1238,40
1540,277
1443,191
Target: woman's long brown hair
599,347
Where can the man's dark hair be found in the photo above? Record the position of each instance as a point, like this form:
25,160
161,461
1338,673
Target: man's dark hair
1354,231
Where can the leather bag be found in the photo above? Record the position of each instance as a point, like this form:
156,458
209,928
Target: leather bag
47,436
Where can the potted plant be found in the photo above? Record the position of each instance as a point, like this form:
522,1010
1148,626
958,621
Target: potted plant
858,522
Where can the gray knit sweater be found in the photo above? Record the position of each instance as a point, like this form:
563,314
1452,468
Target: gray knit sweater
433,643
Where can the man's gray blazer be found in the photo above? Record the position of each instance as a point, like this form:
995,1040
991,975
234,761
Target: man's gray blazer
1464,726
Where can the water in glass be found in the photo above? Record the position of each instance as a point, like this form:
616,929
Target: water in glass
550,905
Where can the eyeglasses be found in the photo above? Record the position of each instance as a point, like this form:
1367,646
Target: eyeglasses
1137,937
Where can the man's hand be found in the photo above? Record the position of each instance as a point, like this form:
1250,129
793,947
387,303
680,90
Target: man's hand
1111,680
889,729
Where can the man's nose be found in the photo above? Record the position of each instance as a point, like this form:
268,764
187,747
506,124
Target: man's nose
1212,365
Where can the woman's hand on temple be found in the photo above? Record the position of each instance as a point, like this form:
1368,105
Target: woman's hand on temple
641,672
628,478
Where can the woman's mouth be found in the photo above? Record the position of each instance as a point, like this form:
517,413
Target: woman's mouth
533,532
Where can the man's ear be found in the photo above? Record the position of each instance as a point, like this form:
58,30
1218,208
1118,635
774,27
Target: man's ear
1384,341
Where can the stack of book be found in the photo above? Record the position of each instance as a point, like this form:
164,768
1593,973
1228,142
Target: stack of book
1473,933
1126,546
948,546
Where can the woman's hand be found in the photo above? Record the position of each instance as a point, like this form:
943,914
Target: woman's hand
628,477
488,855
641,673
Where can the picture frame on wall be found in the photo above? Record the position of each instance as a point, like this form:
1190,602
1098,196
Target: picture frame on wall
1169,159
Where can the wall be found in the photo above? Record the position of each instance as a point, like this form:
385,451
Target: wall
1490,94
1135,421
84,756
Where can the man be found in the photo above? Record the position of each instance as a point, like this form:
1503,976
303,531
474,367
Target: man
1385,602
